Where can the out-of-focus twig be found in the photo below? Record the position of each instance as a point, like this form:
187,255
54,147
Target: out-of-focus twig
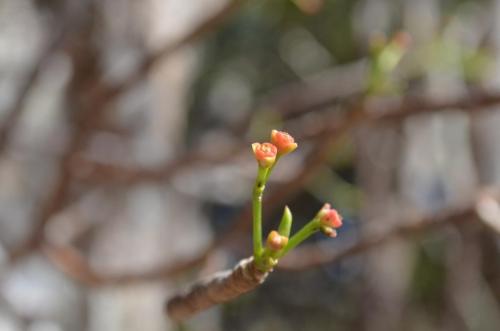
14,112
88,114
374,109
71,262
90,171
315,255
380,109
148,62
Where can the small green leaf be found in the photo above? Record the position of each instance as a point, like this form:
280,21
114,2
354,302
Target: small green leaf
286,223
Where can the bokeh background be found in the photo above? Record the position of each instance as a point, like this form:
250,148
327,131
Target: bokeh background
126,169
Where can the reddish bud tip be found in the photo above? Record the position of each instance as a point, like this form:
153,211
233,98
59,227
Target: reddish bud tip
329,217
283,142
265,154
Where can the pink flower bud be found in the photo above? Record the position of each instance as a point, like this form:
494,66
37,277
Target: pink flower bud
283,141
275,241
329,217
265,154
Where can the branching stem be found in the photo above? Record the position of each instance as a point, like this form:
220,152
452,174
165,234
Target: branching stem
258,190
304,233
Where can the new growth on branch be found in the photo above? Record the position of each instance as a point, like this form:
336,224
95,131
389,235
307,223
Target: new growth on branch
251,272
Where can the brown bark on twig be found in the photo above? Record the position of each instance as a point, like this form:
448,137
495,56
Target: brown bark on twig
221,287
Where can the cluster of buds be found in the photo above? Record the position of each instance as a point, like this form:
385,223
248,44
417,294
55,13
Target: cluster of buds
266,153
279,242
329,220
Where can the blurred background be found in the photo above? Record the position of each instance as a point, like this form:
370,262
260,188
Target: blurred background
126,169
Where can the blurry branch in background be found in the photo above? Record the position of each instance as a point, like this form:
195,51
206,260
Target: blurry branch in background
380,109
58,36
484,207
371,110
94,107
14,112
201,30
82,56
337,86
104,173
71,262
340,86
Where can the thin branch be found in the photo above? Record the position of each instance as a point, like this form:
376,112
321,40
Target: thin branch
15,111
206,26
103,173
75,265
372,110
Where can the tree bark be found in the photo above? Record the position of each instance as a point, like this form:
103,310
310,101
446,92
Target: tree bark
219,288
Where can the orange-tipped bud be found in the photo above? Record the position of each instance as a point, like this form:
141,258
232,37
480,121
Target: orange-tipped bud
275,241
265,154
329,217
283,141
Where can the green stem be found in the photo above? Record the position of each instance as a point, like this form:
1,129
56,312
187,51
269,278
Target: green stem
258,190
272,167
304,233
264,264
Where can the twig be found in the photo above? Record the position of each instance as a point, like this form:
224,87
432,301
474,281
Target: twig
102,173
72,263
221,287
16,109
206,26
372,110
